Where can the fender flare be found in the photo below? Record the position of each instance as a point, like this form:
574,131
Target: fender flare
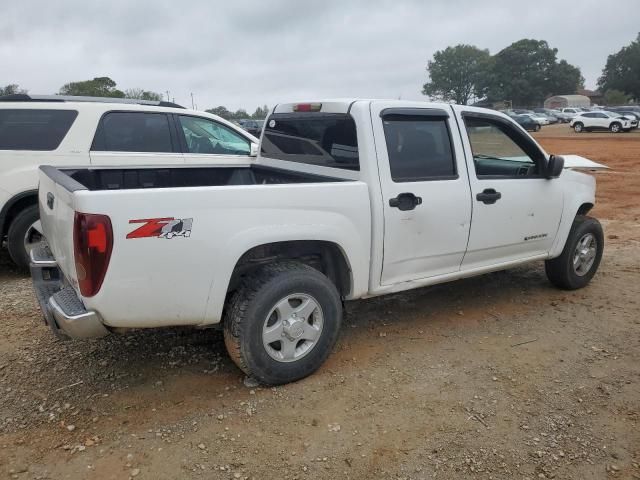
218,288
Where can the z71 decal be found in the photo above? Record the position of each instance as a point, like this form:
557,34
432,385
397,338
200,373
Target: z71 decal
167,227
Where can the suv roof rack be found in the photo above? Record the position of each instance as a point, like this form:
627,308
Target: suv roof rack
23,97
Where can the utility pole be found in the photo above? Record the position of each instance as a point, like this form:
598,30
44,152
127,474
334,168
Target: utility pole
168,98
193,106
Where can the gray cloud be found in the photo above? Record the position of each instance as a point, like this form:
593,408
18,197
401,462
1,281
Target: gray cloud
247,53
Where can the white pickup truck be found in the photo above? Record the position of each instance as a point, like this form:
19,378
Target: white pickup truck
346,200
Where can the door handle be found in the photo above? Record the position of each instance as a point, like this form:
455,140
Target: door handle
50,199
405,201
488,196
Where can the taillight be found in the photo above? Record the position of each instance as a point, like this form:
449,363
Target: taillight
92,245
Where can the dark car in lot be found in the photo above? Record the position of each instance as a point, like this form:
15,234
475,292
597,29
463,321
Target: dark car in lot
527,123
254,127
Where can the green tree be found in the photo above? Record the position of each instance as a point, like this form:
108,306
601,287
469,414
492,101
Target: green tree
526,72
458,73
240,114
98,87
565,78
221,111
616,97
261,113
11,89
622,71
141,94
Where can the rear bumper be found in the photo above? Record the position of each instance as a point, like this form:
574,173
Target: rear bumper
63,311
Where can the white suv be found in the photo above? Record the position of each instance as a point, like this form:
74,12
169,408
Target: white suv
83,131
601,120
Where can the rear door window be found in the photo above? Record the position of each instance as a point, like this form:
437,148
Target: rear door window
322,139
37,129
419,148
133,132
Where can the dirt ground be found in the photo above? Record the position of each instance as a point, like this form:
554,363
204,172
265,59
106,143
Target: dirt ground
495,377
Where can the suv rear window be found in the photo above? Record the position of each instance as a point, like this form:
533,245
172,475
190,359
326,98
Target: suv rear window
38,129
323,139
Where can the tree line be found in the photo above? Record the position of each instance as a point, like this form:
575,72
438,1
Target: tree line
526,73
106,87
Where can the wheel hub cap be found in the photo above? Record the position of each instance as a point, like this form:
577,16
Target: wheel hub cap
584,254
293,327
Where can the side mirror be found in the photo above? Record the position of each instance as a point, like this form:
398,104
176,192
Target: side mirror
253,152
554,167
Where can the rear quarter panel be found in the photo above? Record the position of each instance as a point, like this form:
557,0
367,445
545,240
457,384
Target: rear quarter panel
155,281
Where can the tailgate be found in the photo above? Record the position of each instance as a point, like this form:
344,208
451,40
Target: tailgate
56,200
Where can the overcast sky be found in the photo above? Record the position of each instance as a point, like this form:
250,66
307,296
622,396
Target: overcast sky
247,53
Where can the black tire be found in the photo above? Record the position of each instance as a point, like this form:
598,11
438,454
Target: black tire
250,306
537,128
615,127
578,127
16,234
560,271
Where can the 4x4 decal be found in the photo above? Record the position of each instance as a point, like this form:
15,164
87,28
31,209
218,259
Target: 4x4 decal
167,227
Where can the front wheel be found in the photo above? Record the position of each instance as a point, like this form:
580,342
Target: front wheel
537,128
282,322
581,256
615,127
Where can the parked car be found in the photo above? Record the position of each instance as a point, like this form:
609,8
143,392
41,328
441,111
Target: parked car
551,116
572,111
538,117
633,116
254,127
347,199
528,123
84,131
601,120
561,116
630,114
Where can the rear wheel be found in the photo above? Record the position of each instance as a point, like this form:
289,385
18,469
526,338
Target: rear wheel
581,255
282,322
578,127
25,232
615,127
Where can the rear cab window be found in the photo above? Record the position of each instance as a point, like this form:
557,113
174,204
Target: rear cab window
321,139
34,129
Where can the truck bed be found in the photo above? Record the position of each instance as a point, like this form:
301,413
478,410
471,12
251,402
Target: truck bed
225,211
136,178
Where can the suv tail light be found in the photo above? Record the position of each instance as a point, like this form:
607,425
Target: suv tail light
92,245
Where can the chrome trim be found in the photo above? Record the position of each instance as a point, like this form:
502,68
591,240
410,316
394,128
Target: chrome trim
85,325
